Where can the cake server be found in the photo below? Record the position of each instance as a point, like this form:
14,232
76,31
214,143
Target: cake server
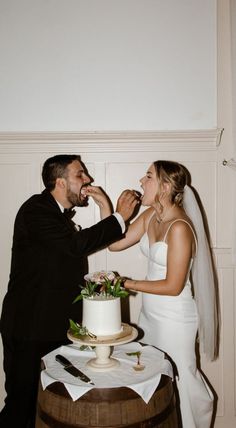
68,366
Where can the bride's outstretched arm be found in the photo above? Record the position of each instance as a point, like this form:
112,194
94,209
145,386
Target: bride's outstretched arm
134,232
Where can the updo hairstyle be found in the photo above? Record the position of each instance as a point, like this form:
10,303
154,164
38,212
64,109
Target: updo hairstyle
174,174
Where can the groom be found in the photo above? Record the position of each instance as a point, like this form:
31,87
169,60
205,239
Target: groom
49,261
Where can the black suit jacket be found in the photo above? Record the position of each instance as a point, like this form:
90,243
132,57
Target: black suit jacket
49,261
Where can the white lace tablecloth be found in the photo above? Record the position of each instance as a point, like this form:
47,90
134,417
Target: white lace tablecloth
142,382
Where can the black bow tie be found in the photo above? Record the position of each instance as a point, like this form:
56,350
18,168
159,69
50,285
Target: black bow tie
69,212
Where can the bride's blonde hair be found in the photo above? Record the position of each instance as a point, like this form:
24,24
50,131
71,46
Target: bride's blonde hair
174,174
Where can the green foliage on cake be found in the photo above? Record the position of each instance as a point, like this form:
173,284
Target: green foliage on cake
103,284
79,331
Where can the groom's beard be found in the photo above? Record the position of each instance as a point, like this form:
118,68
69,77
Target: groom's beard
77,200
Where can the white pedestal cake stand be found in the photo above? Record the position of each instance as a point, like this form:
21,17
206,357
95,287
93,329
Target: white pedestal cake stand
103,360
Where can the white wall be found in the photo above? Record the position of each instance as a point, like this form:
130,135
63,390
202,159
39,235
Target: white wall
125,65
72,65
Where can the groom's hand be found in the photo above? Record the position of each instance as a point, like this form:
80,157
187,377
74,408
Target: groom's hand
126,203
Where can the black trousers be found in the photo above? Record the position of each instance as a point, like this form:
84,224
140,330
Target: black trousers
22,361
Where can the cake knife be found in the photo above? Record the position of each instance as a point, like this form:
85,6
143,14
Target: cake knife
72,369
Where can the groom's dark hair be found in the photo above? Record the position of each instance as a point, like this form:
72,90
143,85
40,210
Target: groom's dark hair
56,167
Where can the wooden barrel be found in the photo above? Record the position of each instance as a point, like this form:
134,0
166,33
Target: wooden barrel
106,407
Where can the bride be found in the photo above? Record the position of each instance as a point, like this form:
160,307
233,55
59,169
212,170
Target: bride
172,237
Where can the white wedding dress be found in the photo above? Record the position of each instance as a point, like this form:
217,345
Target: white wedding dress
170,323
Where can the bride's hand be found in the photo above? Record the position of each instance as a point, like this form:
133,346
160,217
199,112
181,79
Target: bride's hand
100,198
130,284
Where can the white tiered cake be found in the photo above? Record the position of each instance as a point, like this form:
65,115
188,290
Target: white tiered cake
101,321
102,316
102,310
